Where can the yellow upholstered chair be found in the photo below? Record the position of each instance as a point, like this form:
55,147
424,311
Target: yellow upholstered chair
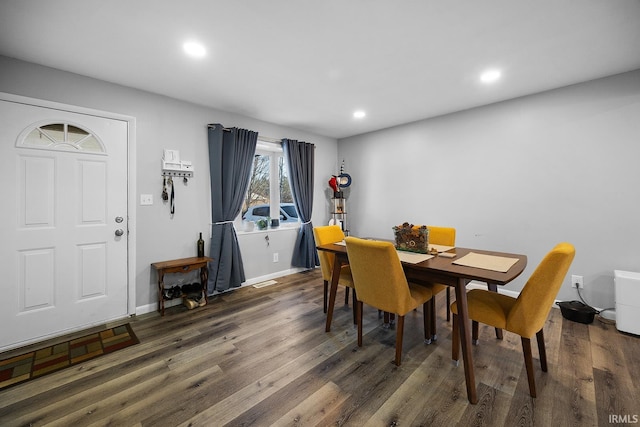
380,282
323,236
524,315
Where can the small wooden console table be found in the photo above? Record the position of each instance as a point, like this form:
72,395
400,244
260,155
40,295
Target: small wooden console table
183,265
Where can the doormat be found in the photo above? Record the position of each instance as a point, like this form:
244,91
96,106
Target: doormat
34,364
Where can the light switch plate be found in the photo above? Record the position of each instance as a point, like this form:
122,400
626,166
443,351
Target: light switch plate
146,199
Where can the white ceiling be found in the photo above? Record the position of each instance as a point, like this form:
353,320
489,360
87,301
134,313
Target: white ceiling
309,64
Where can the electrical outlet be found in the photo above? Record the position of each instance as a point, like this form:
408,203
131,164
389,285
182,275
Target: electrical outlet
275,257
576,282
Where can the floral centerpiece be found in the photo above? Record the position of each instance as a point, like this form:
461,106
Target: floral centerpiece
414,238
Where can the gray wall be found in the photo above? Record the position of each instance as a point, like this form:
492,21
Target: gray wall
516,176
163,122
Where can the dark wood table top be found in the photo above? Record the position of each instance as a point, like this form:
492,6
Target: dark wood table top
443,270
182,262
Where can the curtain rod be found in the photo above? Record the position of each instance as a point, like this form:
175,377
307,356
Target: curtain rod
211,126
260,137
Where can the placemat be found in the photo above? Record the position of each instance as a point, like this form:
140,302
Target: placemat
412,257
486,262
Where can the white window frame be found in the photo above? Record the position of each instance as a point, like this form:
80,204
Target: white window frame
274,151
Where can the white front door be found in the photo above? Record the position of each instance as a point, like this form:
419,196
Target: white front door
63,221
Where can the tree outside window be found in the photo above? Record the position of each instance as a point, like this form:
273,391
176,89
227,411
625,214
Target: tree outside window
269,181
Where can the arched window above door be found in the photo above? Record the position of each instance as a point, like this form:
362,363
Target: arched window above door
60,137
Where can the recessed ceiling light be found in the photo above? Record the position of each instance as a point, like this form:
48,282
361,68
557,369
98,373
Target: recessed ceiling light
490,76
194,49
359,114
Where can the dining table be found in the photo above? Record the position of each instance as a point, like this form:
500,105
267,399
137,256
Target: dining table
442,268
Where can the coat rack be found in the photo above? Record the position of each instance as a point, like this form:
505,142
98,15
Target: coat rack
173,166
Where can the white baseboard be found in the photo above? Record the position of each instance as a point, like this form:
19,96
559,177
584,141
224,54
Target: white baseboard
275,275
149,308
481,285
144,309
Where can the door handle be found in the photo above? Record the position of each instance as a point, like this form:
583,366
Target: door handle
119,232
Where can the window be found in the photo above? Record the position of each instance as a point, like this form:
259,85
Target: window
61,137
269,182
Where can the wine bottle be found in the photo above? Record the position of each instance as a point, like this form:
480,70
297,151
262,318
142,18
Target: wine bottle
200,246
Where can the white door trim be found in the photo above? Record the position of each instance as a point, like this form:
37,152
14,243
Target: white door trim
131,177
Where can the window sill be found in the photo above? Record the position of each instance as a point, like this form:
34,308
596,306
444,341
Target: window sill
282,227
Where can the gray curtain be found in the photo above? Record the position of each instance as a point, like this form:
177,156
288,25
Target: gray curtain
300,159
231,154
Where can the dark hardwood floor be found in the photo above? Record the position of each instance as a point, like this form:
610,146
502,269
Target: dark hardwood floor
261,357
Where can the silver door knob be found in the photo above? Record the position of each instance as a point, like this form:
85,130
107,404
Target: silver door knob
119,232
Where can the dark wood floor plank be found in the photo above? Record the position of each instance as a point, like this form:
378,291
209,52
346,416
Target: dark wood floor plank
230,407
415,401
612,376
573,384
491,367
315,409
546,383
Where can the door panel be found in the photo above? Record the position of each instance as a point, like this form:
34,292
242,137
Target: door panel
35,279
36,191
63,267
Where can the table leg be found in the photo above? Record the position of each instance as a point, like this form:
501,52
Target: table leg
333,289
465,339
204,276
494,288
160,292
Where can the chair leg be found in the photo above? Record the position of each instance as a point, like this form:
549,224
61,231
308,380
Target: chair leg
359,315
455,340
474,332
399,333
426,314
494,288
448,303
346,295
389,320
326,292
542,350
354,301
528,361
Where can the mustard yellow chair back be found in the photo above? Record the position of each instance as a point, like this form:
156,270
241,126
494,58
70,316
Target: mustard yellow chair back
325,235
445,236
378,275
531,309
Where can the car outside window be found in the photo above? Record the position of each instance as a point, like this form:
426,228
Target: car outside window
290,210
261,211
256,213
